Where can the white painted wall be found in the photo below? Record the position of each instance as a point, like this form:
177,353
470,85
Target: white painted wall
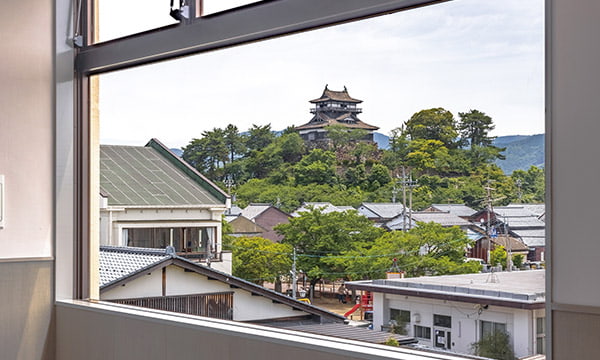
144,286
27,128
246,307
465,320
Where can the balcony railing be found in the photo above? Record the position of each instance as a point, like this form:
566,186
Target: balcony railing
336,109
216,305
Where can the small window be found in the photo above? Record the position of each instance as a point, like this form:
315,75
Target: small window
422,332
540,337
442,321
400,315
490,328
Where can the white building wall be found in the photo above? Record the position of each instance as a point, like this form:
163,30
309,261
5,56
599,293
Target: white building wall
144,286
465,320
246,307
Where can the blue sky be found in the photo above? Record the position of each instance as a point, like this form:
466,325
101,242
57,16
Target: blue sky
460,55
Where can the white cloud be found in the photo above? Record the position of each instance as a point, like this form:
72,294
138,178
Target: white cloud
461,55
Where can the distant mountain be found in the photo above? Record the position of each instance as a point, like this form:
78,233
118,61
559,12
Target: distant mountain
521,152
383,141
177,152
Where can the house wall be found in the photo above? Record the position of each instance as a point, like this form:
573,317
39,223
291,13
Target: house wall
112,221
465,320
28,165
246,307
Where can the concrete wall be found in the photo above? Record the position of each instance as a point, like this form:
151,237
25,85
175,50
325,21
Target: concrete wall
573,88
27,163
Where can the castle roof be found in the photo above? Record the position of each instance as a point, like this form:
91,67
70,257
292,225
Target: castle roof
349,120
330,95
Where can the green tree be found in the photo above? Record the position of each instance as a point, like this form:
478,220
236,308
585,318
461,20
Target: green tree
257,259
474,128
318,236
498,256
433,124
380,175
234,141
259,137
340,135
208,154
292,147
518,260
428,249
494,345
316,167
427,156
529,185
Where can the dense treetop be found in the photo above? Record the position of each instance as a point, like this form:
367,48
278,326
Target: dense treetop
452,160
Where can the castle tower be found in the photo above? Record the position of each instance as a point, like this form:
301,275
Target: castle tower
333,108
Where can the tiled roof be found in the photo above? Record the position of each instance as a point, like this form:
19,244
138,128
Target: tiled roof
510,243
536,209
442,218
142,176
456,209
336,96
117,263
321,120
253,210
325,207
533,237
513,211
383,210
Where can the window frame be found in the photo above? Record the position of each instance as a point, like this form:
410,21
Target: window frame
254,22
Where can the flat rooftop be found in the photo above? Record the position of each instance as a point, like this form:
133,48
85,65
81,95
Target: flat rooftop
502,288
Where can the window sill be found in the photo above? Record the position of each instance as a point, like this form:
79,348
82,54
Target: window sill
92,326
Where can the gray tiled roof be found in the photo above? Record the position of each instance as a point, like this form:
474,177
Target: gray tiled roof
535,209
513,211
253,210
326,207
534,237
141,176
442,218
456,209
117,263
384,210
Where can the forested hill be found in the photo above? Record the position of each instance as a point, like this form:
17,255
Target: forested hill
522,151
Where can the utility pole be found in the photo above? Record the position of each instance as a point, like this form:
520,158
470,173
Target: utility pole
489,215
294,274
411,185
403,199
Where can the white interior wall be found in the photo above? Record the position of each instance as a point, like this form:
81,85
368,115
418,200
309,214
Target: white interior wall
27,129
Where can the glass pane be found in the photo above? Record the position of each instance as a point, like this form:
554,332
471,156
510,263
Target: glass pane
486,328
442,320
119,18
540,324
214,6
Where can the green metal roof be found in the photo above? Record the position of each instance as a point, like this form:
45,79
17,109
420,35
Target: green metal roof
144,176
